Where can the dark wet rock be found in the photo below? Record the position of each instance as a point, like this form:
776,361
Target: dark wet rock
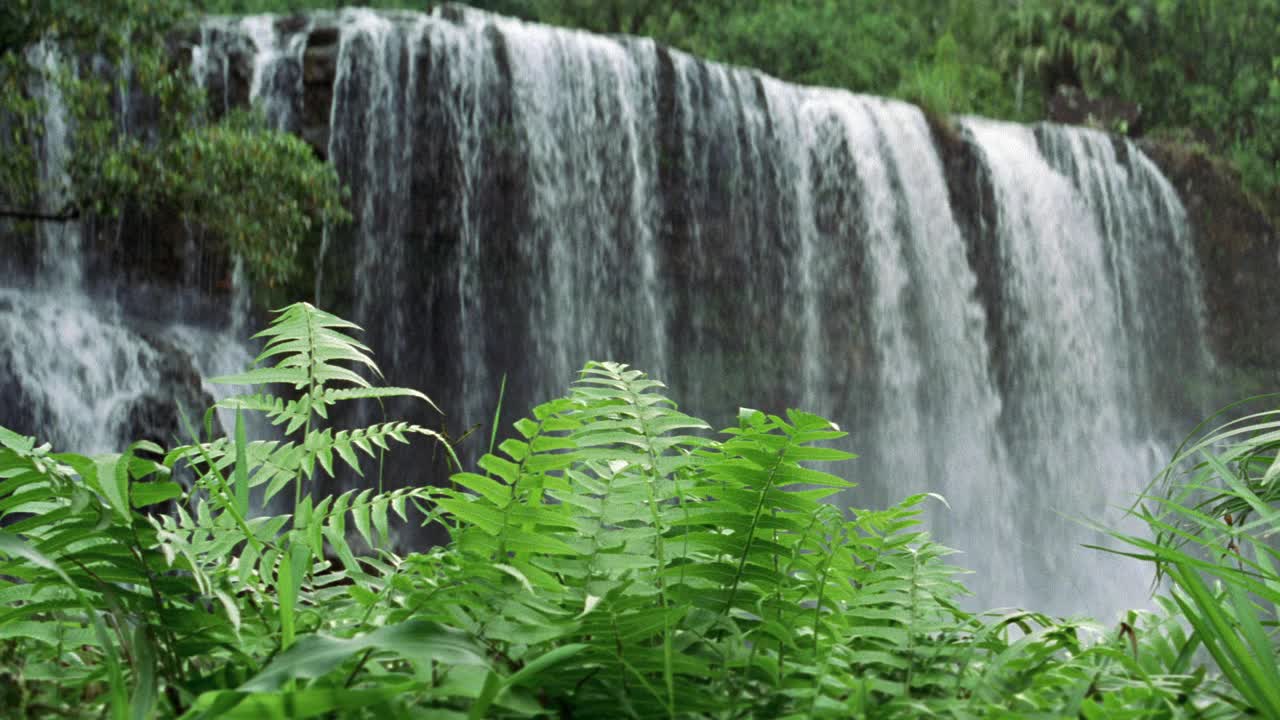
319,68
1239,249
1071,106
973,203
292,23
16,409
157,415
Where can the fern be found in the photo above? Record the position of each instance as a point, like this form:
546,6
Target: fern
612,559
74,524
668,555
309,344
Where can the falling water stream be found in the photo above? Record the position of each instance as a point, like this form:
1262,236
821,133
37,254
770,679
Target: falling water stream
79,366
529,198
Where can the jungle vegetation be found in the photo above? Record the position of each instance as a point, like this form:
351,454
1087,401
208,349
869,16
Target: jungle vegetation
93,60
614,558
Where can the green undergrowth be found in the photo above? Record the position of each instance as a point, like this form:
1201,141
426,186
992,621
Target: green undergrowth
613,558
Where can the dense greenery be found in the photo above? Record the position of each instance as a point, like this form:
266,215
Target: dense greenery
612,560
262,193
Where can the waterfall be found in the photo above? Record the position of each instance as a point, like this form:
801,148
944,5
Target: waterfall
75,370
372,145
1021,331
277,71
60,258
587,124
1099,292
89,362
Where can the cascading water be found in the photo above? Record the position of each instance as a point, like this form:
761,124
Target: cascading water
59,258
937,410
277,71
528,198
1102,328
421,105
75,370
84,363
587,126
377,157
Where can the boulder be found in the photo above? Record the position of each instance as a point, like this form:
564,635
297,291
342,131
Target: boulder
157,415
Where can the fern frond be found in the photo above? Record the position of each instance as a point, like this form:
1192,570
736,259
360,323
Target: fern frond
308,346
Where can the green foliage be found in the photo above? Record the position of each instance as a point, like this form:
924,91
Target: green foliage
609,560
261,193
1076,44
951,82
225,185
1214,516
25,22
820,43
205,593
1206,65
253,7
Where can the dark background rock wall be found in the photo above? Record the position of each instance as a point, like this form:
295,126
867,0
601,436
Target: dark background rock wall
1239,250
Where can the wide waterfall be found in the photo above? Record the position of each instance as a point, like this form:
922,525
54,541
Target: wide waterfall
1008,316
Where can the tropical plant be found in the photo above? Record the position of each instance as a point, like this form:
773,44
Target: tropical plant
1215,516
612,558
197,596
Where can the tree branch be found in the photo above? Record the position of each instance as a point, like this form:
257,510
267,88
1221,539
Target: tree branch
66,215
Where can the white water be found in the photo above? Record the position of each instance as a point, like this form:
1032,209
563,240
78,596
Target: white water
1088,314
381,156
527,199
76,369
74,365
587,127
60,261
277,76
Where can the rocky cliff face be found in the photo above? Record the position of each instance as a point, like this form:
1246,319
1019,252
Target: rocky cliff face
1238,248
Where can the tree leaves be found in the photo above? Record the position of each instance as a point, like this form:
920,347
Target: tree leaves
260,194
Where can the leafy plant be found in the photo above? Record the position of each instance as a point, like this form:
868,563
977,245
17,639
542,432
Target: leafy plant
206,593
610,559
1214,517
258,193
